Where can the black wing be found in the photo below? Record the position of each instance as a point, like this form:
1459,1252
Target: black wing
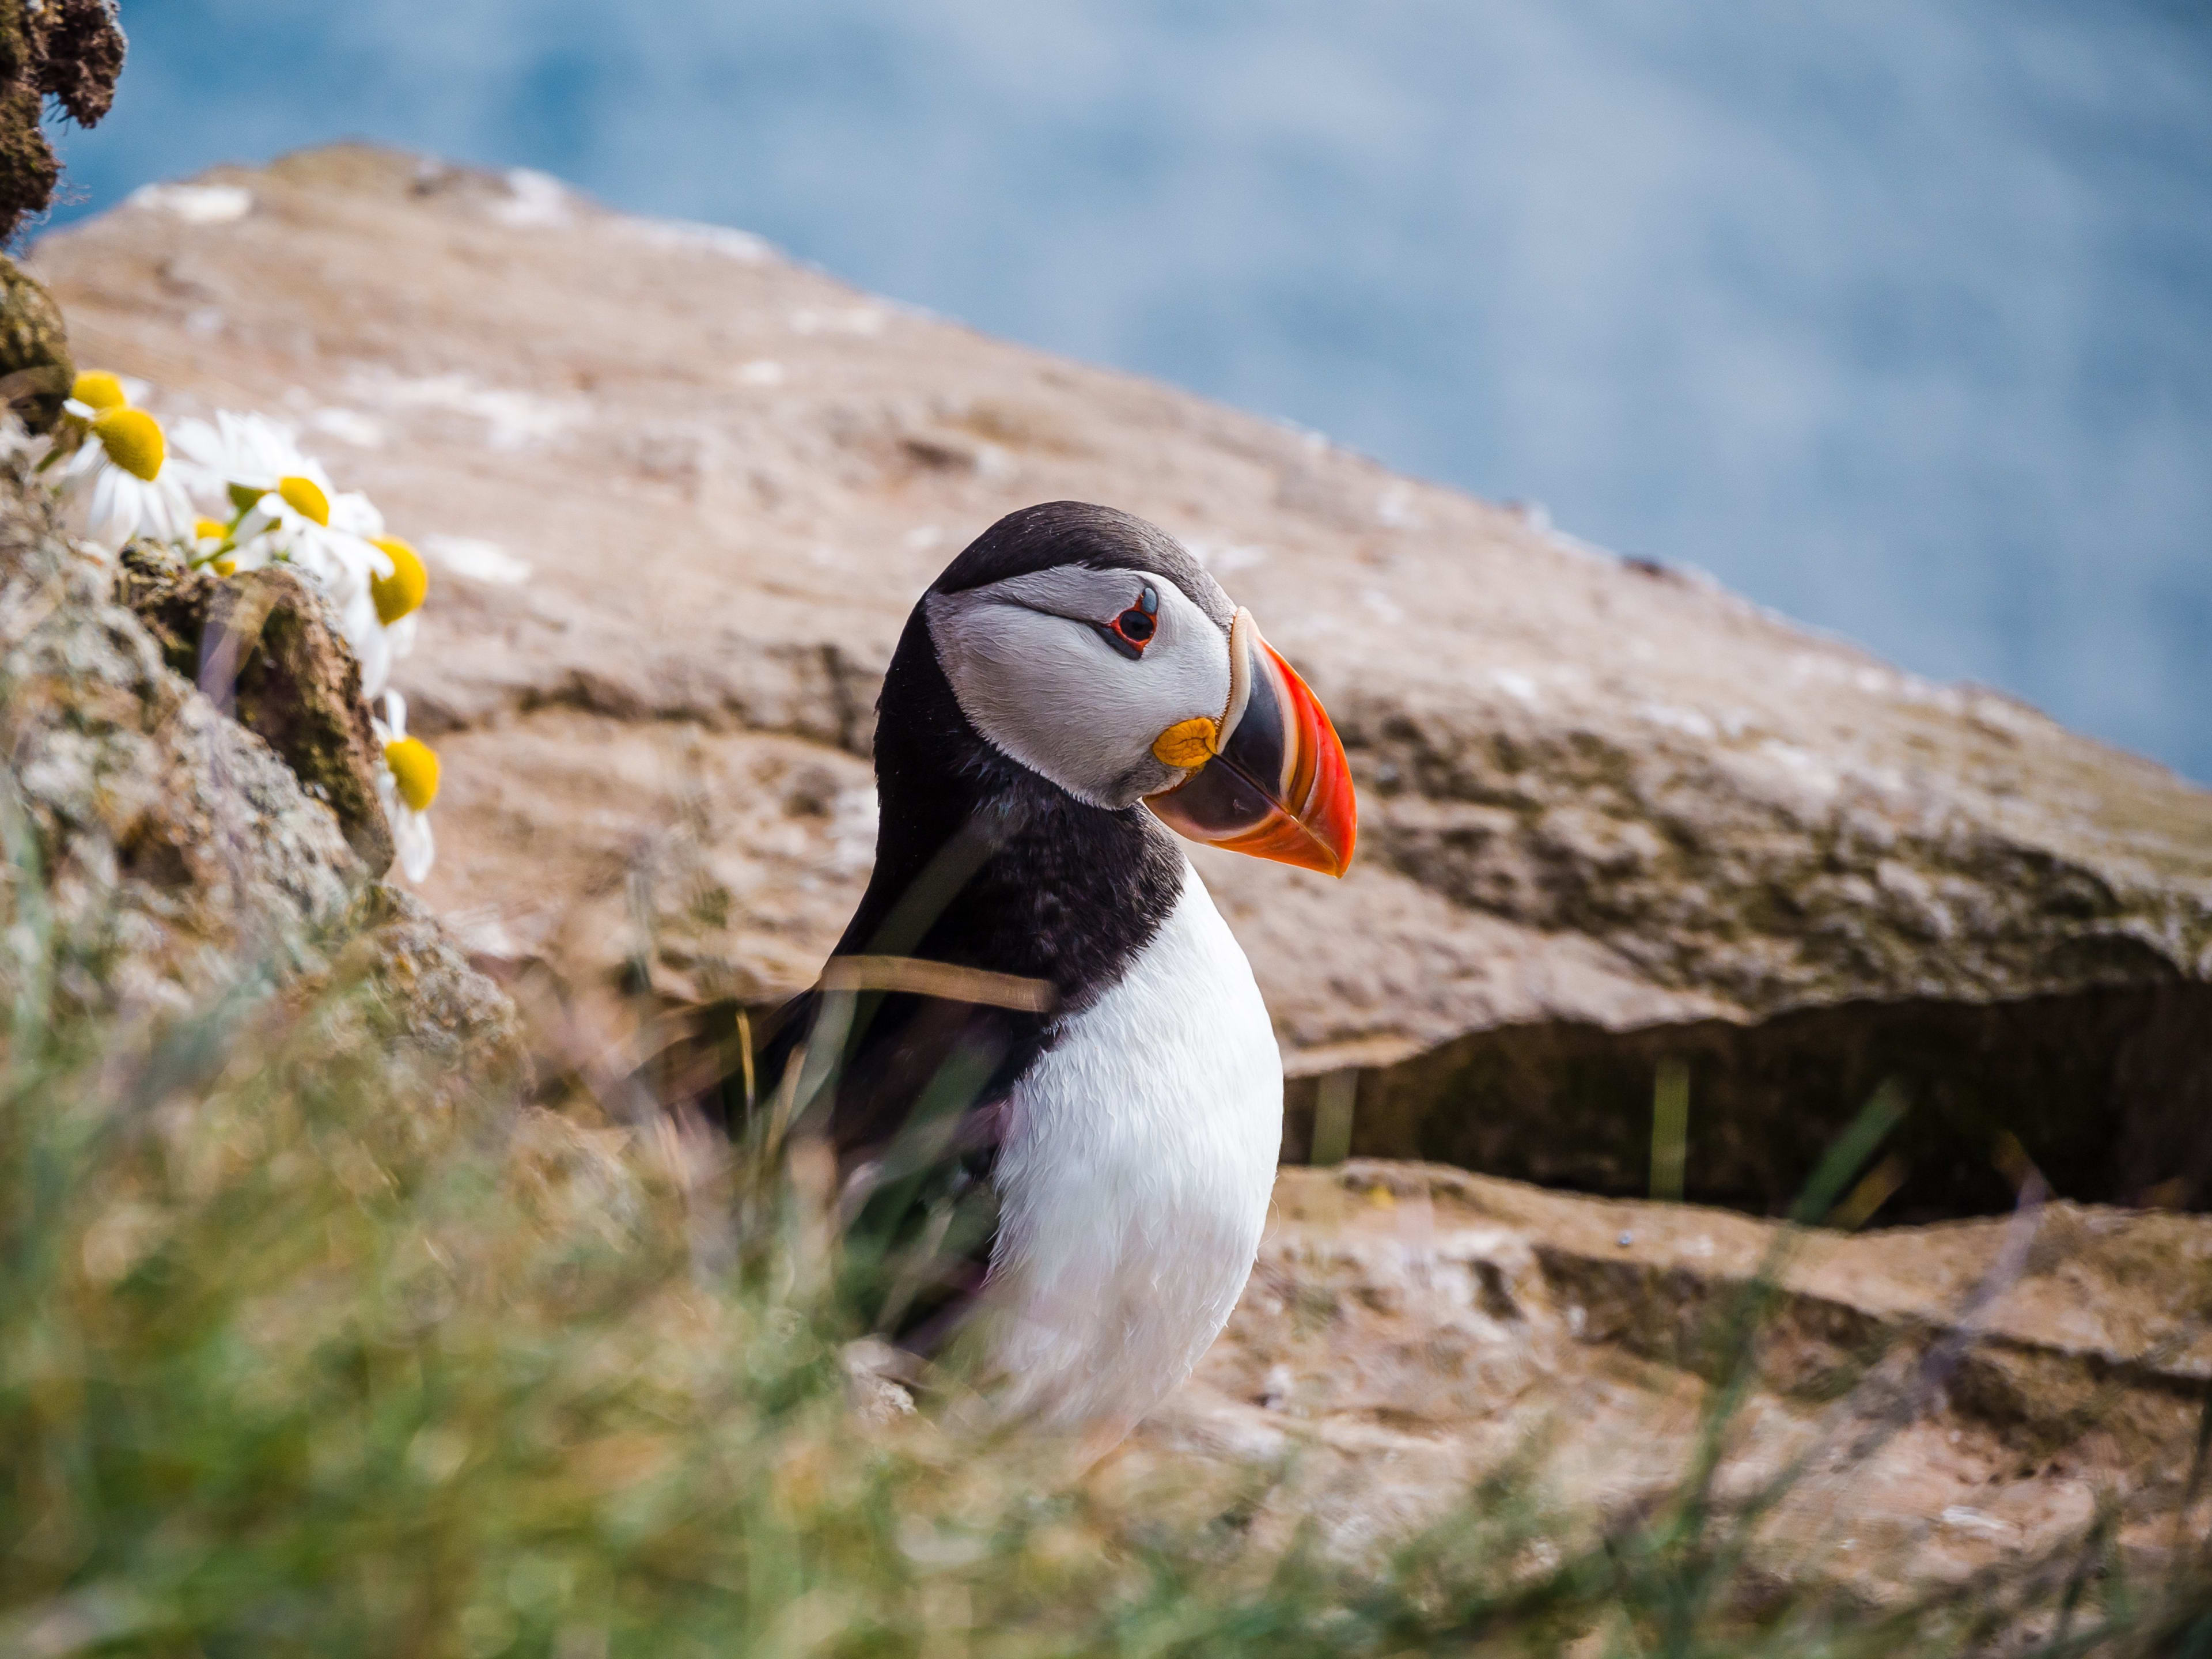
909,1092
985,869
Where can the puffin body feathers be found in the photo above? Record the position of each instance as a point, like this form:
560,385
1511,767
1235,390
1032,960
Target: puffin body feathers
1092,1179
1135,1175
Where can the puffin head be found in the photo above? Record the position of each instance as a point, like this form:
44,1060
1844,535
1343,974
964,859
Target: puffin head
1085,644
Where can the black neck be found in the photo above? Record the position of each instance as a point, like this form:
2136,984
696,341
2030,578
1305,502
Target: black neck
981,862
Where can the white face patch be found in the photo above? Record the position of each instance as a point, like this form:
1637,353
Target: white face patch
1034,674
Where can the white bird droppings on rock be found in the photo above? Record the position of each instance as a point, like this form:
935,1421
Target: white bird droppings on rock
512,420
863,321
1223,557
1959,1515
723,240
1386,607
1394,508
1688,722
534,200
196,205
478,561
853,819
1514,685
348,426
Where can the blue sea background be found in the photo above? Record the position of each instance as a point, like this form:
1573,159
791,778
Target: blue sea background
1893,314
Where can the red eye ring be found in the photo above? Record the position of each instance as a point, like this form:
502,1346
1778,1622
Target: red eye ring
1135,627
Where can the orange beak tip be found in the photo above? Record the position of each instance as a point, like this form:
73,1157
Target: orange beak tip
1294,801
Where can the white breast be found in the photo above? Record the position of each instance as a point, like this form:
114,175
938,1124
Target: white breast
1136,1178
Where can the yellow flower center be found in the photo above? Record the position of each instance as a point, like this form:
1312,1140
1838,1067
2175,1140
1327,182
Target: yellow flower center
133,440
209,530
1186,743
225,566
414,766
401,592
99,389
305,497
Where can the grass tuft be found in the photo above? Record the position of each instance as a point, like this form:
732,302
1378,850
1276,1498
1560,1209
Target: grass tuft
298,1354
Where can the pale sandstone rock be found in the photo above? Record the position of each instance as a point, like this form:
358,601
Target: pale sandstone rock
678,494
1964,1396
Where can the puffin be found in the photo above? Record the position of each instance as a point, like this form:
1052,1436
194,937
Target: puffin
1038,1054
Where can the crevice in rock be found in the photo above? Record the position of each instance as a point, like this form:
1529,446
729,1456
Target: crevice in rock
2108,1091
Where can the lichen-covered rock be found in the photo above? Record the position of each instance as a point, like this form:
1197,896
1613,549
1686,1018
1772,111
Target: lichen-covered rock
80,56
36,370
173,850
262,644
70,51
416,987
160,855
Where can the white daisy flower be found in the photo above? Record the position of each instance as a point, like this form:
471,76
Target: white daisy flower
92,393
285,510
380,624
210,545
117,482
407,783
250,555
382,589
279,498
297,522
243,458
282,509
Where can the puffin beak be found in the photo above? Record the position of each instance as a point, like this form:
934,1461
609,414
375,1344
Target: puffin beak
1276,784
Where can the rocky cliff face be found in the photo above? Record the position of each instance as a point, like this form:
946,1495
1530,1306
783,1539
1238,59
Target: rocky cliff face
260,645
681,492
161,855
678,494
1953,1399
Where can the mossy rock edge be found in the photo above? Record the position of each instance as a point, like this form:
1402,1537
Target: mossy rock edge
259,642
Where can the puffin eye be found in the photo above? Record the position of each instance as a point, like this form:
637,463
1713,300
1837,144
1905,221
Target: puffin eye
1133,630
